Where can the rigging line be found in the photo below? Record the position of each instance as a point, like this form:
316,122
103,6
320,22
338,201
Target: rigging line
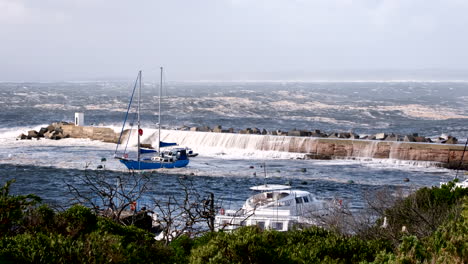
129,134
126,115
461,160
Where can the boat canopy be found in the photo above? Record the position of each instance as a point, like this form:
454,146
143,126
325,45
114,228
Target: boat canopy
270,187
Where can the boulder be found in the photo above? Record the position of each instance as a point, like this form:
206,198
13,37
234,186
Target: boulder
32,134
48,134
344,135
22,136
336,135
218,129
393,137
202,129
317,133
298,133
56,135
205,129
451,140
42,131
420,139
380,136
246,131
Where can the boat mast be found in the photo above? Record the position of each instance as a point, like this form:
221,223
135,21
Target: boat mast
159,121
138,120
461,160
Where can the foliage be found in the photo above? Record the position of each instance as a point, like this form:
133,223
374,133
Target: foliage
76,235
13,208
448,244
38,234
419,214
114,193
312,245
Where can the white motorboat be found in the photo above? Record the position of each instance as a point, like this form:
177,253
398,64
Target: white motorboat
275,207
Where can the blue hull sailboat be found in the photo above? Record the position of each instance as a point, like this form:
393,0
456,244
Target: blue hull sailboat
153,164
169,159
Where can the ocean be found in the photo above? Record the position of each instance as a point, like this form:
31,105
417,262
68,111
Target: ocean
44,167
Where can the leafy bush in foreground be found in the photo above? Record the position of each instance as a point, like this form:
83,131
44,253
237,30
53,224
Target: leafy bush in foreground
313,245
448,244
33,233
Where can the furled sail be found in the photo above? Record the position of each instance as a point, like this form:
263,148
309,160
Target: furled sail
144,151
166,144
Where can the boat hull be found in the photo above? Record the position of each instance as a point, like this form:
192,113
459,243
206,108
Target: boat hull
153,165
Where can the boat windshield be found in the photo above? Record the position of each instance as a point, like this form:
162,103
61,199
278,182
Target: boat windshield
268,197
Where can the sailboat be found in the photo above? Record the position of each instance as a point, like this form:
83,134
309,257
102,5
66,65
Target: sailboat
173,158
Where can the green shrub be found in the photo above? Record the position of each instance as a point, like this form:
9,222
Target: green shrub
76,220
245,245
13,208
312,245
31,234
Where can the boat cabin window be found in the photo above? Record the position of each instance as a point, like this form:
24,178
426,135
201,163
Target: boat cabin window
298,200
277,225
306,199
269,195
261,225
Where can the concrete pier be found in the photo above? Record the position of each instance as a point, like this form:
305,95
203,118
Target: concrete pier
104,134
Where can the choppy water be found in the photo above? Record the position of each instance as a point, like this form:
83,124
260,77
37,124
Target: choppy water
43,166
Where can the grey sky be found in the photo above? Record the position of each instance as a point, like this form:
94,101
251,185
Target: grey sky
48,40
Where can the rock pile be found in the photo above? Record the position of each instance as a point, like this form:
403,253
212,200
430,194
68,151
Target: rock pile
53,131
444,139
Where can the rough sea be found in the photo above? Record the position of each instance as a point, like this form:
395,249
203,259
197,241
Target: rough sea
45,166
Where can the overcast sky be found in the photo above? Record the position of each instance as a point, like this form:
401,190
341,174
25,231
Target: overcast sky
50,40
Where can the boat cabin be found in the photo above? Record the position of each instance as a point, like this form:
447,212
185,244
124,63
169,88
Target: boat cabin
275,208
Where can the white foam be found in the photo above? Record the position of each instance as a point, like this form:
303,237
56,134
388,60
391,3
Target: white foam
13,132
56,106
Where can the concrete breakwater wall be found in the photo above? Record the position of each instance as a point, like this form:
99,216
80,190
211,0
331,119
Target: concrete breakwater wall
447,155
104,134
